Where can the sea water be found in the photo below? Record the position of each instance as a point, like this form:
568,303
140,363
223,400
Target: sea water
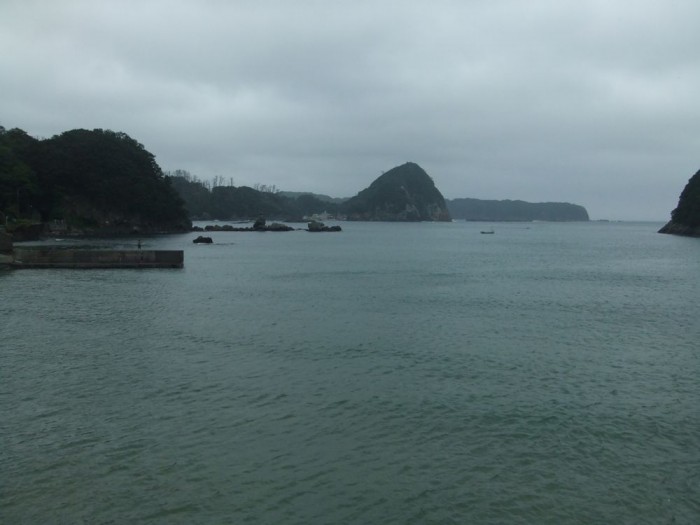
389,373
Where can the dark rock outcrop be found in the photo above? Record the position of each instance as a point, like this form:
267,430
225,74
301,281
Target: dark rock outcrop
404,193
278,227
680,229
316,226
685,219
259,226
202,240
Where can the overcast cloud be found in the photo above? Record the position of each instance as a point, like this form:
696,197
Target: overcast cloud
591,102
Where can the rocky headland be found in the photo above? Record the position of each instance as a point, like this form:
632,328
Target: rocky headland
685,219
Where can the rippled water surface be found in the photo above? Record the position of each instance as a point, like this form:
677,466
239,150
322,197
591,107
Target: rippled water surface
390,373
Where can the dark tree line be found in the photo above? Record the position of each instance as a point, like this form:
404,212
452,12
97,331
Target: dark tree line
89,179
228,202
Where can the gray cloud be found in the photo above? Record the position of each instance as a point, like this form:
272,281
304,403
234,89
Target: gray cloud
590,102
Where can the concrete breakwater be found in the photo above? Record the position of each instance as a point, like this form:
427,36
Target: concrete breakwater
76,258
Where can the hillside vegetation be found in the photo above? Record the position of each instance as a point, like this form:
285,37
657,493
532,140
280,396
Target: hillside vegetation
89,180
204,202
404,193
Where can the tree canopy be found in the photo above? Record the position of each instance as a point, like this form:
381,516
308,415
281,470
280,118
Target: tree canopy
92,179
239,203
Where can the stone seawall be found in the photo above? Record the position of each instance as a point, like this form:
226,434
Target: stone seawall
75,258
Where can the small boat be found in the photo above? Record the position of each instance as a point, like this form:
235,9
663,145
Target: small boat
487,232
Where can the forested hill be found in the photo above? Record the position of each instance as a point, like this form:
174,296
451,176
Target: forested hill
509,210
90,181
685,219
404,193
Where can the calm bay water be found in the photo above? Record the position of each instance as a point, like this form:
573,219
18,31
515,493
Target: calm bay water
391,373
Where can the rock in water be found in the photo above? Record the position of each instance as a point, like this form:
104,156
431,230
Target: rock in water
317,226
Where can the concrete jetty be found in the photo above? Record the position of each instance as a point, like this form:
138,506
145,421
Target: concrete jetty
45,257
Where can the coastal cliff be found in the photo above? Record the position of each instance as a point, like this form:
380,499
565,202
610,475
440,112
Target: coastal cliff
685,219
404,193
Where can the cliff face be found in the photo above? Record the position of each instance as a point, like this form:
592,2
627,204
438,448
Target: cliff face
685,219
508,210
404,193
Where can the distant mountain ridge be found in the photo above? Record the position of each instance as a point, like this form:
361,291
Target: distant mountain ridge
404,193
515,210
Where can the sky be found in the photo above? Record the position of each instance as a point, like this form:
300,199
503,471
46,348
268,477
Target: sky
594,102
